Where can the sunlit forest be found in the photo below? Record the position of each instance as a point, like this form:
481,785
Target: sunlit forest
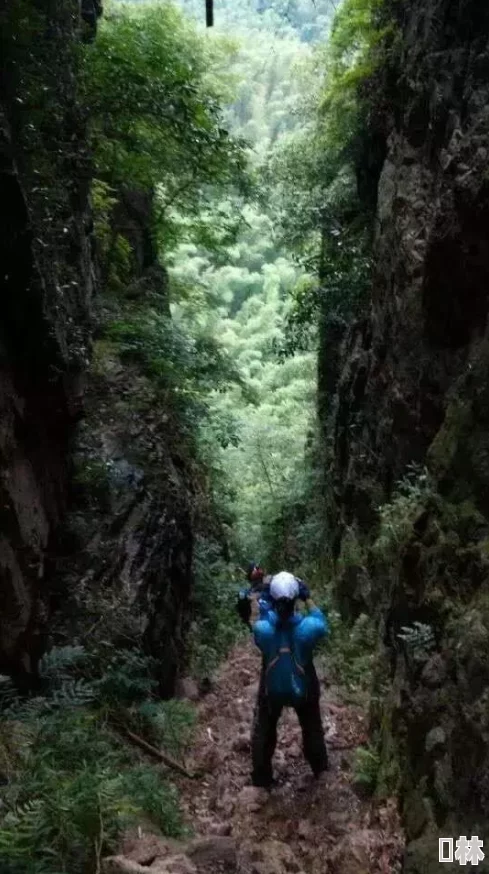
234,279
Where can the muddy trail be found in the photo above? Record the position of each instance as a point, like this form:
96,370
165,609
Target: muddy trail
301,826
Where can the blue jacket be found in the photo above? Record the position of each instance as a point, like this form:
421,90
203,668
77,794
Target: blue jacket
265,602
301,633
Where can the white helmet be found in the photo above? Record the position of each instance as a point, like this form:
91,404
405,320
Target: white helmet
284,585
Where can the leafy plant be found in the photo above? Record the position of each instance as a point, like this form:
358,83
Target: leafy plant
114,250
155,113
183,365
366,768
72,785
351,651
397,517
169,723
419,641
155,796
216,626
127,677
351,58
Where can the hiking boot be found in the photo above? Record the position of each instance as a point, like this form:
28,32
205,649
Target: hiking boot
321,778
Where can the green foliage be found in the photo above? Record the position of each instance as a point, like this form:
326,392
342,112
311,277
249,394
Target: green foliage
351,651
73,786
169,724
127,677
311,174
419,641
155,113
306,20
261,420
184,362
268,89
60,662
156,797
397,517
351,59
216,626
167,355
233,281
63,808
114,251
366,768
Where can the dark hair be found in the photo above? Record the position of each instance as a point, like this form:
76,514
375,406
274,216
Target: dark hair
284,607
253,570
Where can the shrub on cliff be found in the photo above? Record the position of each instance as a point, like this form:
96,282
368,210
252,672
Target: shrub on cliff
154,97
313,172
398,515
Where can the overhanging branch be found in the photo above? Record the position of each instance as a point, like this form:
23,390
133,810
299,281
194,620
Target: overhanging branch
209,13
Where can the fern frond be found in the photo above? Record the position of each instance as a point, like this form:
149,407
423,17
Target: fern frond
73,693
61,659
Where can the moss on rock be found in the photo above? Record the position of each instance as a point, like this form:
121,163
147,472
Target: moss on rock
455,429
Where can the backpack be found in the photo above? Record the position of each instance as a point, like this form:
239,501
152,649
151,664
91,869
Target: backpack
285,677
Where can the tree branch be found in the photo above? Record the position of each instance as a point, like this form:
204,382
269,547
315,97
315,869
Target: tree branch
209,13
157,754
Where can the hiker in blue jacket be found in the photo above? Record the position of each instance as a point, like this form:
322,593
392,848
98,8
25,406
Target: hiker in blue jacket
286,640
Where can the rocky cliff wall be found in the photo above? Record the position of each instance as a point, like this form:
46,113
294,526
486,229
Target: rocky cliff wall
412,389
123,572
47,284
96,489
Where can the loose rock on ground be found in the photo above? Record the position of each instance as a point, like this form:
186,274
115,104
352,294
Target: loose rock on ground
302,827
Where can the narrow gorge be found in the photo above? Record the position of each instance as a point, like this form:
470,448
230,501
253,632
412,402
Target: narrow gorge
244,289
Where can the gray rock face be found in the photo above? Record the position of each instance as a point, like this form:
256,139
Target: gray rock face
115,521
128,563
268,857
46,287
412,387
435,739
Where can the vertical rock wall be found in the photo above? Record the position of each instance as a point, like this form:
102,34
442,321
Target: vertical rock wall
96,491
123,571
413,388
46,286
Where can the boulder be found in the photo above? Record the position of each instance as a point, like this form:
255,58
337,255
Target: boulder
353,854
434,672
421,857
435,739
268,857
122,865
187,689
251,799
145,848
212,851
179,864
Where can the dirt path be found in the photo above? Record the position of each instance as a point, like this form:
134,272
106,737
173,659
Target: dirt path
300,826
